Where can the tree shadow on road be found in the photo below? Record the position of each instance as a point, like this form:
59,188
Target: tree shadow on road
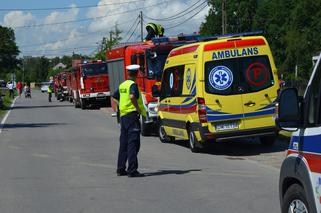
244,147
31,125
41,106
171,172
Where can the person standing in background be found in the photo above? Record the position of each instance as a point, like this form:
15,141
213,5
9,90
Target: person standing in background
11,88
19,88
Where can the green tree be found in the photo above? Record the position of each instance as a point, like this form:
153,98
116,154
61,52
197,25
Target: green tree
108,43
8,50
240,17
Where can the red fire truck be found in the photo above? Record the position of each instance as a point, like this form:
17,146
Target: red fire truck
89,83
151,56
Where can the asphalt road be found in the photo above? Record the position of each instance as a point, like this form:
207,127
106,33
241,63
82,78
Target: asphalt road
58,159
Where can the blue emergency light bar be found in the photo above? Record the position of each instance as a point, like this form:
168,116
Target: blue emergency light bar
198,38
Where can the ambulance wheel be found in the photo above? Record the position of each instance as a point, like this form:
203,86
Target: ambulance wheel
295,200
164,138
268,140
194,145
143,126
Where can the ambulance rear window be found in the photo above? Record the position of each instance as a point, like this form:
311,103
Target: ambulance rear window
238,75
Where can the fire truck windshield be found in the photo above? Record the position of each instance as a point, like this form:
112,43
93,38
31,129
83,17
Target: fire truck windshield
155,66
94,69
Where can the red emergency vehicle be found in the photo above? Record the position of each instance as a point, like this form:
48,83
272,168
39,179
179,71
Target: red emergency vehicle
151,56
89,83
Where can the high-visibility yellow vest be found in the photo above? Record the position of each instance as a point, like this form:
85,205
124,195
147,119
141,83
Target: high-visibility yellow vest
125,104
49,88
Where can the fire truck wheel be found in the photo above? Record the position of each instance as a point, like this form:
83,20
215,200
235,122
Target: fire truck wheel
76,103
83,104
268,140
144,127
164,138
295,200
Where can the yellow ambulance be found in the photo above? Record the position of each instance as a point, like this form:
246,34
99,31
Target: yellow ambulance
219,89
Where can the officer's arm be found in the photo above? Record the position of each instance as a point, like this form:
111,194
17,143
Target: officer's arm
116,96
134,95
133,99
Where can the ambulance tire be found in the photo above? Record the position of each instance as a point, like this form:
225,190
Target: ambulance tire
268,140
144,127
293,197
194,145
164,138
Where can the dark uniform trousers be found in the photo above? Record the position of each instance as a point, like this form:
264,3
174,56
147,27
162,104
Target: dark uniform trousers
129,142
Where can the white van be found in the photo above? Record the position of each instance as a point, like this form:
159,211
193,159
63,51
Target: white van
300,177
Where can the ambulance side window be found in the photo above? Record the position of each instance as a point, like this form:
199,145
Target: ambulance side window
172,82
314,111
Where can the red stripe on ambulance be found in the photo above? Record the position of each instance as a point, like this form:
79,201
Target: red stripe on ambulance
234,44
184,50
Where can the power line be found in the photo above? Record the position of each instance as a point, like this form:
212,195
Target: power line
68,8
171,27
66,39
133,31
178,15
60,49
131,27
88,19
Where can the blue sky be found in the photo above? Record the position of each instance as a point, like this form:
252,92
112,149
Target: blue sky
52,39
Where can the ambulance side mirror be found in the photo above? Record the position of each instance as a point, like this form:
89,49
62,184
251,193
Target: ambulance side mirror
155,91
288,110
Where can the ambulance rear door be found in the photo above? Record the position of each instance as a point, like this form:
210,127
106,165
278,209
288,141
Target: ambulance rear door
258,87
223,102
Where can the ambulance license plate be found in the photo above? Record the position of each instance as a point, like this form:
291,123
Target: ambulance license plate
226,126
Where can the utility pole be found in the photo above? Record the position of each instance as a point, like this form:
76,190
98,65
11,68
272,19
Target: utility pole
23,69
141,26
224,17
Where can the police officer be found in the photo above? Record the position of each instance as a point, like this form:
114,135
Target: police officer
50,88
154,30
131,107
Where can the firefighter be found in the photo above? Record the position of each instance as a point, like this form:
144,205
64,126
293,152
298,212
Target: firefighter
131,106
154,30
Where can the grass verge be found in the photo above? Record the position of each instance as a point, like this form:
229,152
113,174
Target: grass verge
6,104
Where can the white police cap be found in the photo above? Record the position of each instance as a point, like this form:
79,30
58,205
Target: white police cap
132,68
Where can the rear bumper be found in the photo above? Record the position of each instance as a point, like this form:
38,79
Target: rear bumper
221,136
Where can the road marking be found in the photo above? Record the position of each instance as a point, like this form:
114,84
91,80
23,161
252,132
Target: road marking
7,115
41,155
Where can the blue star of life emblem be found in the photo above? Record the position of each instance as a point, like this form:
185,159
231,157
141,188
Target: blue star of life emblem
221,78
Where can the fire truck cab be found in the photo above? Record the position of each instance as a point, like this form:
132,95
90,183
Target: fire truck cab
151,56
89,82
